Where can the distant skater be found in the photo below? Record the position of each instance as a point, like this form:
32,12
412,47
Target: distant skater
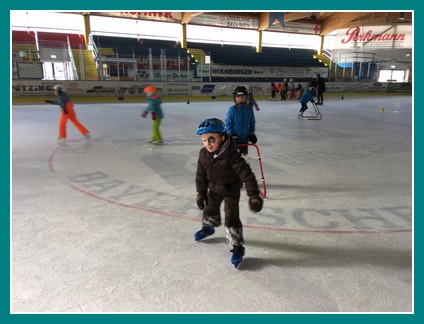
321,88
240,120
68,112
273,90
300,90
307,96
154,104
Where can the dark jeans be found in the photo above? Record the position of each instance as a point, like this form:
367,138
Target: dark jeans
233,225
212,213
320,97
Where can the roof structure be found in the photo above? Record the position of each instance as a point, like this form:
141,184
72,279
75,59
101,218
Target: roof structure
308,22
328,20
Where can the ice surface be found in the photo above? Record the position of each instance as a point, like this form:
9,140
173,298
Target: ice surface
107,224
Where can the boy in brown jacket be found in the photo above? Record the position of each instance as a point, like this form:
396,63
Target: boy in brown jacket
221,172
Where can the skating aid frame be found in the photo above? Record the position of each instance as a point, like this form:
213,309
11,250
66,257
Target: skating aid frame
263,194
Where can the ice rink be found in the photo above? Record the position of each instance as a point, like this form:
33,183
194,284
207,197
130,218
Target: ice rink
106,225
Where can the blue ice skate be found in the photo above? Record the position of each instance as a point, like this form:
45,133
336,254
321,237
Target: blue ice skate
204,232
238,253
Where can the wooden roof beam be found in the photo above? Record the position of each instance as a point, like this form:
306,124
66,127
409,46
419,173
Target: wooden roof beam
338,21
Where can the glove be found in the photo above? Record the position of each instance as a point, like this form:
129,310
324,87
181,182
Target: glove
153,116
243,150
257,108
48,101
234,138
252,138
201,201
312,100
255,204
144,114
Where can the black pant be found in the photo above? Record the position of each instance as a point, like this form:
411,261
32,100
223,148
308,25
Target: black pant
320,97
212,215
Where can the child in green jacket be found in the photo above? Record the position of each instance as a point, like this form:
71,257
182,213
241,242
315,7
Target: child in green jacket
154,107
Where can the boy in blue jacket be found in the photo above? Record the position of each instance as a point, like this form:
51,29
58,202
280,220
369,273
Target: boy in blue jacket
240,120
307,96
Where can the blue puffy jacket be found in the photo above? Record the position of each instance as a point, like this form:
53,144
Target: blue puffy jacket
240,121
307,96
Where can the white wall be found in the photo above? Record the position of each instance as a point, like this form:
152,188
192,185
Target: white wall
35,88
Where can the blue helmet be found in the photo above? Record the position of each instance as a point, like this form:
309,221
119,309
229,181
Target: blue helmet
211,125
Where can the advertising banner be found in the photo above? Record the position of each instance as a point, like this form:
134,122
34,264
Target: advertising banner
259,71
209,90
157,62
226,20
396,36
167,16
297,28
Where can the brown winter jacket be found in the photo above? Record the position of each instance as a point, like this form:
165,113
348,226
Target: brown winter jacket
225,173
